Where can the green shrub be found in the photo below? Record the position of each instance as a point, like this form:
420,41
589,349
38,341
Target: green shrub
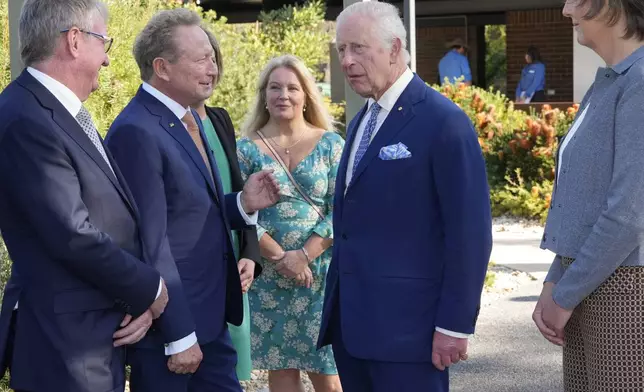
5,266
518,147
246,48
5,61
490,278
518,198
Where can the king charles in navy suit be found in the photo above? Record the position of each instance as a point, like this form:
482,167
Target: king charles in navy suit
411,216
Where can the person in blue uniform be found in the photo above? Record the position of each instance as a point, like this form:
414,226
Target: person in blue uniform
454,66
533,78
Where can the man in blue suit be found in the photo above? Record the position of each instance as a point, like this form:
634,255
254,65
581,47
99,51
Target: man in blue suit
69,222
411,217
160,145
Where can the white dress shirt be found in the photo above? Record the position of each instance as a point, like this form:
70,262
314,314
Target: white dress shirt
180,111
386,102
70,101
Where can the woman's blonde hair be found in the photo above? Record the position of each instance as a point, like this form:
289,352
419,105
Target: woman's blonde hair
316,112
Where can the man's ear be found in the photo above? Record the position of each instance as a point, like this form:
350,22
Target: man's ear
72,41
160,67
396,48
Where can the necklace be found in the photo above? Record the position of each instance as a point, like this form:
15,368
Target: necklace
287,149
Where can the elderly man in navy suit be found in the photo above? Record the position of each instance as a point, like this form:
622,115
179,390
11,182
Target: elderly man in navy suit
161,146
69,221
411,216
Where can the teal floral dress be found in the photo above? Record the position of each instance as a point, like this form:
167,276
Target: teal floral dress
286,317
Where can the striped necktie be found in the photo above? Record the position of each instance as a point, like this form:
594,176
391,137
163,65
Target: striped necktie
366,136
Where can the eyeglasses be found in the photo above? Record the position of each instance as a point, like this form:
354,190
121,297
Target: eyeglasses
107,41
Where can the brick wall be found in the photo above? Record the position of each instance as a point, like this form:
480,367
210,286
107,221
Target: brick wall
430,48
552,34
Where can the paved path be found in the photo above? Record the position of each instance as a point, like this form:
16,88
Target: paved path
507,353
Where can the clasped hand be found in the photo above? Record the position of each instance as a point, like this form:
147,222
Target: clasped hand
294,265
134,329
550,318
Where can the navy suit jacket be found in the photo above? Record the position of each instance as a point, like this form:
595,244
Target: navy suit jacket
413,236
184,217
70,226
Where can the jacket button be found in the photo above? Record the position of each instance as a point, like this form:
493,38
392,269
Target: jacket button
345,237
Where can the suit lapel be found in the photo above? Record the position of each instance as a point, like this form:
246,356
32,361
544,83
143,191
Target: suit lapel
397,119
69,125
172,125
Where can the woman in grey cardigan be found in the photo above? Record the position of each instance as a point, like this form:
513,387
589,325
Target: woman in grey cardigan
592,302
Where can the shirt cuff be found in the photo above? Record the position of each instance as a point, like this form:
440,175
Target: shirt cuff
453,334
181,344
160,288
251,220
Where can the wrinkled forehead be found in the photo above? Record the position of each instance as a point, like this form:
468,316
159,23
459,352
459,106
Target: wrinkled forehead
192,40
355,29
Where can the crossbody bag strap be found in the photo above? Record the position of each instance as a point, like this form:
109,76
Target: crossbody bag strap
289,175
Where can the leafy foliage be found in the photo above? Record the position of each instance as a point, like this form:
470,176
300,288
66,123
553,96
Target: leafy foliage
5,60
246,48
518,147
496,66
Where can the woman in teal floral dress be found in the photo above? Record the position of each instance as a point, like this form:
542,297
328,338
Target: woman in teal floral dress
295,236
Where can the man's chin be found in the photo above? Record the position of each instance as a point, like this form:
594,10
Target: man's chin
359,89
205,94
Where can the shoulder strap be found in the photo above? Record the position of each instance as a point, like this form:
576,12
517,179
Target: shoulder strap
290,176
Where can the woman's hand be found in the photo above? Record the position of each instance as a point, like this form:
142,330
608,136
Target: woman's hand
305,278
293,264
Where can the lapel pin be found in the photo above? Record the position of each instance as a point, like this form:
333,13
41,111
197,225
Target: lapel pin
171,125
399,108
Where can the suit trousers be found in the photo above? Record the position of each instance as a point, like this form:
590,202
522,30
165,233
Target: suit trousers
604,338
362,375
216,373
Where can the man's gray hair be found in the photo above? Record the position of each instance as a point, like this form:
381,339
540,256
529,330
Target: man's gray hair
158,38
41,22
386,22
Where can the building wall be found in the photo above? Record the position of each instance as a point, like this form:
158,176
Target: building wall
552,33
430,48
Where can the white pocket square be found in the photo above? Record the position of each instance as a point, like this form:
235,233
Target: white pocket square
393,152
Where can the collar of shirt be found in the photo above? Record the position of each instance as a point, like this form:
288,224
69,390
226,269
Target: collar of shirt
67,98
389,98
171,104
628,62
